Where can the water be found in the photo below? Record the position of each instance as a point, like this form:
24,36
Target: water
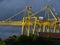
6,31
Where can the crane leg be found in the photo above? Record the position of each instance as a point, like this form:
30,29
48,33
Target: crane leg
22,32
28,31
54,28
39,29
48,29
34,29
44,28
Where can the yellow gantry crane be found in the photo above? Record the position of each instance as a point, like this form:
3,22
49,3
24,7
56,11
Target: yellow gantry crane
32,20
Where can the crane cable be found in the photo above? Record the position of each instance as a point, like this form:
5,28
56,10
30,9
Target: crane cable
15,15
42,9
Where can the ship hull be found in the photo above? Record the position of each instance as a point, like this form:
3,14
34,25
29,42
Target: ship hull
49,34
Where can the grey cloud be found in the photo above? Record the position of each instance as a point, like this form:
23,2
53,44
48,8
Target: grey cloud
1,0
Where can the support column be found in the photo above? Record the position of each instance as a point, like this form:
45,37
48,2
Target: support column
28,24
28,30
43,28
34,26
55,28
22,32
23,23
48,30
39,29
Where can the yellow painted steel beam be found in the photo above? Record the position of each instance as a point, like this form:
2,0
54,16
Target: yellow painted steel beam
23,24
12,23
34,25
47,7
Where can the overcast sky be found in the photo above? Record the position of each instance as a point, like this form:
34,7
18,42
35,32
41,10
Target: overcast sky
10,7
